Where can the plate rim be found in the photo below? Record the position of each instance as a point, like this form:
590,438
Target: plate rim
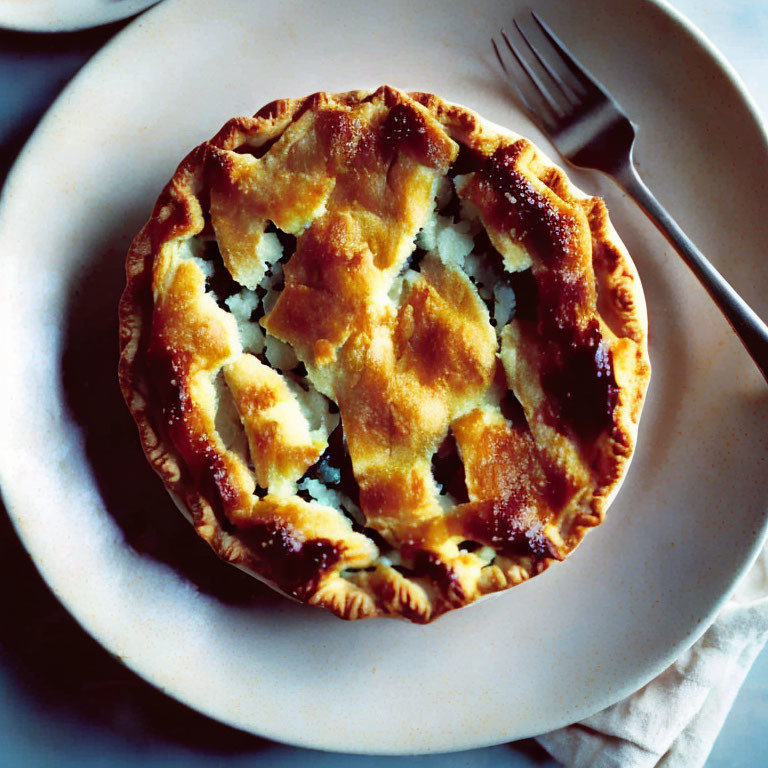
38,25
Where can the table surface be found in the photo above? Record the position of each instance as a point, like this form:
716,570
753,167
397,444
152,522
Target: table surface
66,701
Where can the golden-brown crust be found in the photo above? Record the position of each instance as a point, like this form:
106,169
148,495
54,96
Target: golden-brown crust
352,176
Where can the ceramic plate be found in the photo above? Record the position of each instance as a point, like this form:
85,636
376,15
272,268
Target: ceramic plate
111,544
65,15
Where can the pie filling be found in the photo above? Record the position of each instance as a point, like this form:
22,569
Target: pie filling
454,234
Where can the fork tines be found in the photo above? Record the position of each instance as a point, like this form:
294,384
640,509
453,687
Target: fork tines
553,79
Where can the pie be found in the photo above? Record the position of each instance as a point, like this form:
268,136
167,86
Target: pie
384,354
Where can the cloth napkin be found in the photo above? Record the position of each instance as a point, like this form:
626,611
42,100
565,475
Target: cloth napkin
674,720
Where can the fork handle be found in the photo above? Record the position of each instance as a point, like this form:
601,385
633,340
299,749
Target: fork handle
752,331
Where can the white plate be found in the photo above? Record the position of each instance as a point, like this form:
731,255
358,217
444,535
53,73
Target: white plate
65,15
111,544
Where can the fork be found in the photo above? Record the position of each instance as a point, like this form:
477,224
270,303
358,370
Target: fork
591,130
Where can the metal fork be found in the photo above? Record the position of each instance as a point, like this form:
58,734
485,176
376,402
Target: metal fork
590,129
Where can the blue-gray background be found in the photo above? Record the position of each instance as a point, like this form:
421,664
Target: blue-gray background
64,701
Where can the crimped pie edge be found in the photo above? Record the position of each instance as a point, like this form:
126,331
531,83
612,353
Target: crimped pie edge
177,211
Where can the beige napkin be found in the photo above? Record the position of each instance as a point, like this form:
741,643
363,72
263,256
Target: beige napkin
674,720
